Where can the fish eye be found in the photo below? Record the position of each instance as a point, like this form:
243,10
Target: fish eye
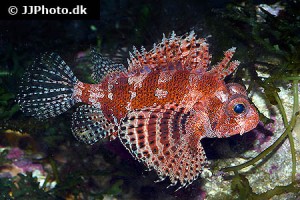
239,108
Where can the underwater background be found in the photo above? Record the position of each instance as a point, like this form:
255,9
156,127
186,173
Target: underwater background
42,159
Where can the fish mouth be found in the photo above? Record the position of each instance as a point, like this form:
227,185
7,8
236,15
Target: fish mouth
248,125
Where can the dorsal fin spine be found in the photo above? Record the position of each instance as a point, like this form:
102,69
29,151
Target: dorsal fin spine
188,51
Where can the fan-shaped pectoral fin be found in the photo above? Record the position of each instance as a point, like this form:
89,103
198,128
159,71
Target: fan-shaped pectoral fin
158,137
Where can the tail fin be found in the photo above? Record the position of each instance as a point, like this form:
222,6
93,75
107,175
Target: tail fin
47,87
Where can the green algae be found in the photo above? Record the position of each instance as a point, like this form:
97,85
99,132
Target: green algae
278,37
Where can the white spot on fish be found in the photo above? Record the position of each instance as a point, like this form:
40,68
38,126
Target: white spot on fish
113,80
96,91
138,78
222,96
95,95
165,76
132,95
110,96
194,78
78,91
110,87
159,93
128,107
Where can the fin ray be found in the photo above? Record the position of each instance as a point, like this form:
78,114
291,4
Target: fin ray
157,137
103,66
90,125
47,87
186,52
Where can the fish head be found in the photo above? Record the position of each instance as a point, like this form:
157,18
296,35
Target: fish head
229,112
238,114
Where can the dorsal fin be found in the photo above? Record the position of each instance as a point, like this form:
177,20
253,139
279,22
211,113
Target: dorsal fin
157,136
185,52
189,51
103,66
221,70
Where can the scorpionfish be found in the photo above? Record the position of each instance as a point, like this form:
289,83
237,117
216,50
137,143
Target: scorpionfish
160,108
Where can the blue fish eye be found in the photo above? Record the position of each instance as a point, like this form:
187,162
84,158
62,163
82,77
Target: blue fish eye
239,108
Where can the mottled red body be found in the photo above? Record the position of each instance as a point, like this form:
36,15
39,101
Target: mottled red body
160,108
181,87
127,97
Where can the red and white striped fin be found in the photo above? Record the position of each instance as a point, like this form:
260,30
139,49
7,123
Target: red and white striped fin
46,88
157,136
225,67
187,51
90,125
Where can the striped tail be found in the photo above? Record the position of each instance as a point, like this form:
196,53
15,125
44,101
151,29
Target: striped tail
47,87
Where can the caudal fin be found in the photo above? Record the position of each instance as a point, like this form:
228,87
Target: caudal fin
47,87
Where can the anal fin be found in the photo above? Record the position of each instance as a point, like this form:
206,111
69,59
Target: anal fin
90,125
